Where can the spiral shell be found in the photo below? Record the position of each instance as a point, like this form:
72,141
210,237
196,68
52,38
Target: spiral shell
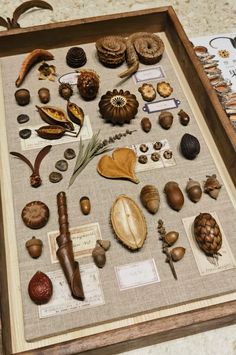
111,50
150,198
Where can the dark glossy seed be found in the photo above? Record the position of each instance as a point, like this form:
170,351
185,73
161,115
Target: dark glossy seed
22,118
55,177
69,154
25,133
142,159
61,165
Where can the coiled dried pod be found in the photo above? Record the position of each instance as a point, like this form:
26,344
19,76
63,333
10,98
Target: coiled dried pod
174,195
65,91
194,190
212,186
150,198
88,84
207,234
190,146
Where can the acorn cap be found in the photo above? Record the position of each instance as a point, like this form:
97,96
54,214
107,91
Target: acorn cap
33,241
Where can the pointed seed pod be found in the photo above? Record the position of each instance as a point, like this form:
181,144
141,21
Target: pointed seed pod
171,237
150,198
177,253
194,190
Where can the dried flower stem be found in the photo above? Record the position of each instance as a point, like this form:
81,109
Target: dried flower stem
162,231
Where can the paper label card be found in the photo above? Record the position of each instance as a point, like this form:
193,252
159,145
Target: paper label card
154,73
208,265
35,142
161,105
83,240
136,274
62,302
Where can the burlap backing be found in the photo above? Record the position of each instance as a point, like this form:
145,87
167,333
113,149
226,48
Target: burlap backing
102,192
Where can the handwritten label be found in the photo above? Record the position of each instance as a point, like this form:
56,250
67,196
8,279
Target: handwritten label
137,274
69,78
62,302
150,74
208,265
83,240
35,142
160,105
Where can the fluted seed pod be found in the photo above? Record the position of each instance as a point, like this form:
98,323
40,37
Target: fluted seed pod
194,190
150,198
174,195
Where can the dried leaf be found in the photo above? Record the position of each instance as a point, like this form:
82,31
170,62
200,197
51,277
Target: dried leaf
29,5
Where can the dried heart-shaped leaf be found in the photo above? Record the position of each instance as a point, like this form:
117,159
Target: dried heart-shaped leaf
120,166
128,222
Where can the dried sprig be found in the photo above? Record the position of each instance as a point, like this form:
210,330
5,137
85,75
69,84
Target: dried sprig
13,23
162,231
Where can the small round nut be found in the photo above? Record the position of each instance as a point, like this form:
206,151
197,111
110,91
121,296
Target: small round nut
34,247
85,205
142,159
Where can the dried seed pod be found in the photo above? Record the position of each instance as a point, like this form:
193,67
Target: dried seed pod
128,222
194,190
65,91
85,205
166,119
207,234
212,186
177,253
75,113
150,198
55,116
183,117
88,84
148,92
99,256
174,195
22,97
171,237
44,95
164,89
190,146
40,288
105,244
51,132
146,124
34,247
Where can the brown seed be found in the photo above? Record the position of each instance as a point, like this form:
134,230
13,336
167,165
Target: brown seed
146,124
166,119
85,205
104,243
212,186
174,195
177,253
22,97
194,190
34,247
142,159
44,95
143,148
183,117
40,288
171,237
99,256
150,198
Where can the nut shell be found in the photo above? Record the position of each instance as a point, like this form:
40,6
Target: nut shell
207,233
174,195
65,91
171,237
44,95
177,253
150,198
166,119
183,117
34,247
99,256
35,214
190,146
146,124
194,190
22,97
85,205
40,288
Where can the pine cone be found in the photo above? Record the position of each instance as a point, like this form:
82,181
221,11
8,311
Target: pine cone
207,234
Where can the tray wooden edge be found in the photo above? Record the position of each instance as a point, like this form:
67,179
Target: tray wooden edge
169,327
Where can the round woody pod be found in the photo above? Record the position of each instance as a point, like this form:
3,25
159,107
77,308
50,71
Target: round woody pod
190,146
150,198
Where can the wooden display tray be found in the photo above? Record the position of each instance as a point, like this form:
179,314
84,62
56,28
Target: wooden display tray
217,131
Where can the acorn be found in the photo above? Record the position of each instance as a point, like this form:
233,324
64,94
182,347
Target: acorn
150,198
166,119
194,190
177,253
174,195
85,205
34,247
212,186
44,95
99,256
22,97
40,288
171,237
104,243
190,146
146,124
65,91
183,117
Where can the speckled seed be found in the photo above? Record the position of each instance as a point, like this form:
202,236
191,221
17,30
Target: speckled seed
69,154
155,156
143,159
22,118
157,145
55,177
25,133
61,165
143,148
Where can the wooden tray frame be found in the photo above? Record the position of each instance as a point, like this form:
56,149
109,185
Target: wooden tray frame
88,30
